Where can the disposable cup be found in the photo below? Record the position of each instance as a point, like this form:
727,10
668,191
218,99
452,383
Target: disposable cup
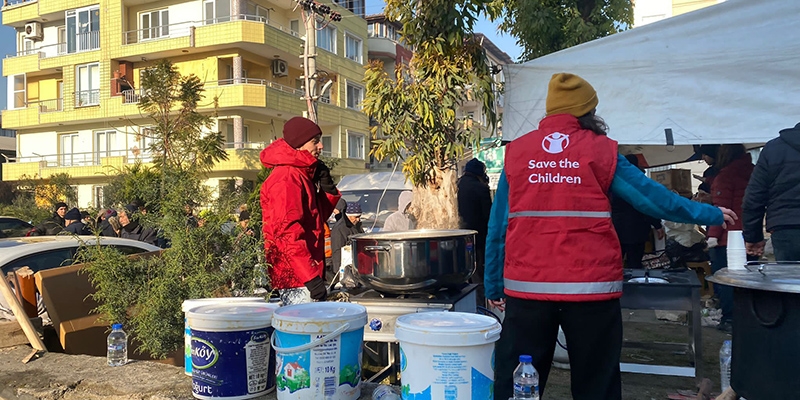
735,240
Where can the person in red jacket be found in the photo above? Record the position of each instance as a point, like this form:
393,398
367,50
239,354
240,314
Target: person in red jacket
727,190
296,199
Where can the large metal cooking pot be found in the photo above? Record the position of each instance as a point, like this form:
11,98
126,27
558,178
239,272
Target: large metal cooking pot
414,261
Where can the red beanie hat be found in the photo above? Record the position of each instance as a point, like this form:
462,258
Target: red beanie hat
298,130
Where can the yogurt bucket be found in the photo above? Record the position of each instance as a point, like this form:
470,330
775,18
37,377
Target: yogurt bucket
318,350
187,332
447,355
230,350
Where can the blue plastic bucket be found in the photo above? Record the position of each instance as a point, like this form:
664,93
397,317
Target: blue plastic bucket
231,350
187,331
318,350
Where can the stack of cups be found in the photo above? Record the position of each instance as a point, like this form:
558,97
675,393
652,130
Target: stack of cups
737,254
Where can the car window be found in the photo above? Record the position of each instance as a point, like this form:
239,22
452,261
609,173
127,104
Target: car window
14,228
42,260
128,250
372,204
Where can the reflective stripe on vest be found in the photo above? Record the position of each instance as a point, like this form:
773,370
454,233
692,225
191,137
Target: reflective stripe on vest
563,287
580,214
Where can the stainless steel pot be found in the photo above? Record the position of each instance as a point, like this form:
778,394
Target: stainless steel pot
414,261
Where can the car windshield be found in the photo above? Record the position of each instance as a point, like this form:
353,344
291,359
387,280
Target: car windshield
372,205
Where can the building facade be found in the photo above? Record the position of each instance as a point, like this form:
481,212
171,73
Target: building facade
73,85
648,11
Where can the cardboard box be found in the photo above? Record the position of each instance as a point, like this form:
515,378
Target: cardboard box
66,293
679,180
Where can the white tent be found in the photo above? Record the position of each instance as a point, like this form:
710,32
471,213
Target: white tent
729,73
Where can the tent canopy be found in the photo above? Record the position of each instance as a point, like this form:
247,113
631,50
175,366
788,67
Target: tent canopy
729,73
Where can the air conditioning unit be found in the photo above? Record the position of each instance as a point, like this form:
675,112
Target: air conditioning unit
280,68
33,31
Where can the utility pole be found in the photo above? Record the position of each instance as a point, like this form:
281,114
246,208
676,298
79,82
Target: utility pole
309,12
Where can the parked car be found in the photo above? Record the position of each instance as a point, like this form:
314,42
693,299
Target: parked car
44,252
377,192
14,227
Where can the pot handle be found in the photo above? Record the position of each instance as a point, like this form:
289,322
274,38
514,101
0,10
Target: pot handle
494,333
377,248
310,345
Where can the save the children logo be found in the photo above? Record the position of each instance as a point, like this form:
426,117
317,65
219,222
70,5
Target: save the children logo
555,142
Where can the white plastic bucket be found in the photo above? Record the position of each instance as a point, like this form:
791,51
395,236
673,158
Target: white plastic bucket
187,332
230,350
318,350
447,355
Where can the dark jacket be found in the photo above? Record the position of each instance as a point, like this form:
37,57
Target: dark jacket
51,226
78,228
106,229
727,190
137,232
774,187
474,207
632,226
340,233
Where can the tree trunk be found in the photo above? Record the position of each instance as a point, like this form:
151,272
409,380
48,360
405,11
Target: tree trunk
435,206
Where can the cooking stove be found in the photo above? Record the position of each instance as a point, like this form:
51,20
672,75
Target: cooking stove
383,309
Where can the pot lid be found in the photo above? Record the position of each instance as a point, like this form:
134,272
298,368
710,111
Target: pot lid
774,277
416,234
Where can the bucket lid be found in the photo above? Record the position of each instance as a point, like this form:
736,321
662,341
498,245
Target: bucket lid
192,303
231,315
319,317
443,328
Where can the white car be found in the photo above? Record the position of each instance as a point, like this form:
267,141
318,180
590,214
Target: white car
45,252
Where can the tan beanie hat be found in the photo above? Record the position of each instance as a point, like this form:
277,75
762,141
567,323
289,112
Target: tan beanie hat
570,94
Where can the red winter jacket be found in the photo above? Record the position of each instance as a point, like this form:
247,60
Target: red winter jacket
727,190
294,210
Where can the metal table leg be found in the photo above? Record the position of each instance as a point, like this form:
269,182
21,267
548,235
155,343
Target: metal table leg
697,335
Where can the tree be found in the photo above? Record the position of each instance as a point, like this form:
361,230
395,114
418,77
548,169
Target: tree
546,26
417,110
203,261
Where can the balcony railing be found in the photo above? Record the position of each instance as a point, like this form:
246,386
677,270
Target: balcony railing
262,82
47,106
183,29
85,98
244,145
87,41
15,2
86,159
132,96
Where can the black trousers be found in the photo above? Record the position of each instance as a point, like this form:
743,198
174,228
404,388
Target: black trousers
635,252
594,341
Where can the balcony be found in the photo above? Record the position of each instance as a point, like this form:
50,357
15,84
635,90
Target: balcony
86,98
81,165
47,106
42,57
20,11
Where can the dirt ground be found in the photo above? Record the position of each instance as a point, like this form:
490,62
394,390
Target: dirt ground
643,326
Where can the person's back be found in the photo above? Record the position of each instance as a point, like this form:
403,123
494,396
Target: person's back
728,187
774,189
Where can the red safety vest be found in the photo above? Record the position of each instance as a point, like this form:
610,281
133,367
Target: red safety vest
560,243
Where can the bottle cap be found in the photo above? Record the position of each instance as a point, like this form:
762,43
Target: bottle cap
525,359
116,326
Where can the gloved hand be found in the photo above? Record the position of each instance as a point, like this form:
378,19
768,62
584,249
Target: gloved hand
323,176
317,288
712,242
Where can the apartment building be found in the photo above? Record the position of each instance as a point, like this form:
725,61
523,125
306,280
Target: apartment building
649,11
73,84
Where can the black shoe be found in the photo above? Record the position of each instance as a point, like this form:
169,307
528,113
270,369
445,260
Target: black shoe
725,326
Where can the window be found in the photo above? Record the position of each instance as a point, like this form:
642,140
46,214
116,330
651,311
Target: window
153,24
294,26
327,146
42,261
83,29
355,94
355,145
99,196
371,30
62,40
26,47
69,145
229,75
352,47
18,92
256,13
215,11
104,145
88,85
230,140
142,150
326,37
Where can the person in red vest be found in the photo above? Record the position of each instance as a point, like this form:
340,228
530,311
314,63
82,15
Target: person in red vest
552,255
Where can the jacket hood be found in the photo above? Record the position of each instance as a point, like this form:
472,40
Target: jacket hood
404,200
279,153
792,136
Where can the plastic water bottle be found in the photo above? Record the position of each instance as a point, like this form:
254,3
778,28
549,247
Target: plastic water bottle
117,346
526,379
725,353
384,392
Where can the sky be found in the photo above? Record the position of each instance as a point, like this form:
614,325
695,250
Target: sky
506,43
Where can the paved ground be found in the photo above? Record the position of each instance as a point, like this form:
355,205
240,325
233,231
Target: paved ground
58,376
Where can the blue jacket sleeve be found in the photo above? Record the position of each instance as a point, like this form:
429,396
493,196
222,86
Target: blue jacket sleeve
655,200
496,242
